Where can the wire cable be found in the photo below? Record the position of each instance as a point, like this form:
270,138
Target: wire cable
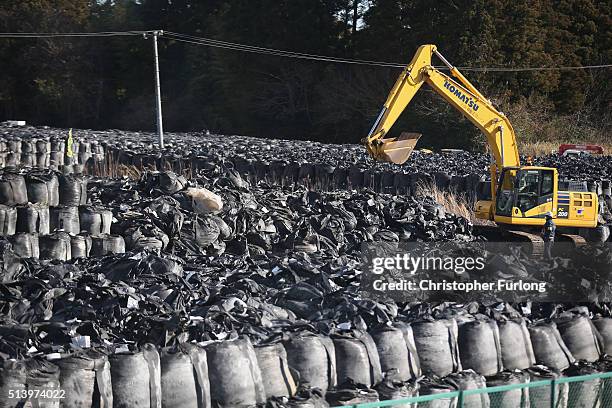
209,42
509,69
291,54
96,34
230,44
271,51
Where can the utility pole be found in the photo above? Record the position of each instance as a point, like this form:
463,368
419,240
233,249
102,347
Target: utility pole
158,106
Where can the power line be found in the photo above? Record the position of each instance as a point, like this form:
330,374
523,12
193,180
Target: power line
209,42
271,51
96,34
291,54
509,69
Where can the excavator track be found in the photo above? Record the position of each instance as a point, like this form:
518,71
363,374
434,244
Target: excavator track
535,243
577,240
534,240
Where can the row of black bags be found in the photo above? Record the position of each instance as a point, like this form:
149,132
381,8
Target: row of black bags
346,368
42,187
62,246
471,182
82,149
40,219
200,146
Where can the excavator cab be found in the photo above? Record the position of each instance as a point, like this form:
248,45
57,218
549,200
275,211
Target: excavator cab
525,192
505,196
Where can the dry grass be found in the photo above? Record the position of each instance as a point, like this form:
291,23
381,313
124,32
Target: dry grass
131,172
540,130
112,168
541,148
452,202
538,148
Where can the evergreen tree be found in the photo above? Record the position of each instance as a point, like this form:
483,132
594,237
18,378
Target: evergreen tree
108,82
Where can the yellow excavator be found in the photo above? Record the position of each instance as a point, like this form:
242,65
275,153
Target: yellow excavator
520,195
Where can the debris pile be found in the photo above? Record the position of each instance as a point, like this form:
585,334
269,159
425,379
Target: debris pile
242,288
223,267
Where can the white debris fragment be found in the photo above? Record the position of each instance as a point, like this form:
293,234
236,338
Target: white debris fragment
81,341
204,201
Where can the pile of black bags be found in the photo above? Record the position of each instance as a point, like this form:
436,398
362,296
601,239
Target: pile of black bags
46,214
233,283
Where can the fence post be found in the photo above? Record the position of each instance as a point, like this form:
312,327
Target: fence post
158,105
460,399
553,393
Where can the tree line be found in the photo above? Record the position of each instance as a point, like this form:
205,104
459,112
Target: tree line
107,82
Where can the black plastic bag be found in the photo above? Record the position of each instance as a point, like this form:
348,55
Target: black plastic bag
33,218
80,246
357,358
604,326
107,244
86,380
8,220
205,230
13,190
184,377
278,380
512,398
548,346
43,188
72,190
437,346
12,378
25,245
516,349
470,380
351,393
55,246
581,337
42,377
479,346
314,358
235,378
391,388
94,220
64,219
542,395
585,393
394,352
136,379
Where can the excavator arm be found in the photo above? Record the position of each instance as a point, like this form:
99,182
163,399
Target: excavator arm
456,90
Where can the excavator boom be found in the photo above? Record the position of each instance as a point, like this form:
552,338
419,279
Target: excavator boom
456,90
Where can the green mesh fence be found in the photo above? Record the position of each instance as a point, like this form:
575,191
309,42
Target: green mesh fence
594,390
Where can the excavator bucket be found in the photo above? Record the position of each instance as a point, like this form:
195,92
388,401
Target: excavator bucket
397,149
